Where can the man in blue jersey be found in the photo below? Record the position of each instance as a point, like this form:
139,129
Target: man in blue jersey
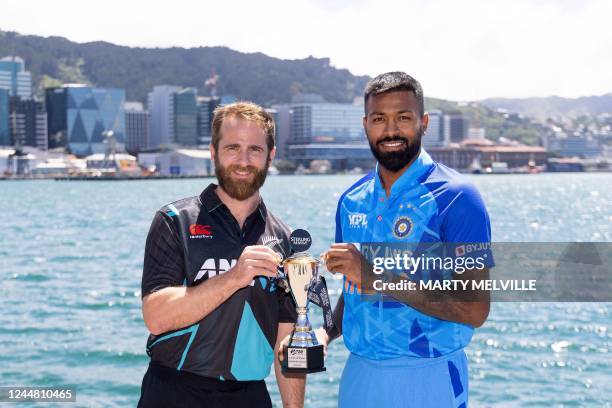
406,347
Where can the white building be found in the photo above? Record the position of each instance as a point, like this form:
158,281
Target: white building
161,110
179,162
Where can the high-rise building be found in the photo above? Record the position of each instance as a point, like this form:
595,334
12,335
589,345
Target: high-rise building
14,77
5,130
136,127
161,109
282,121
434,135
455,127
328,131
79,117
186,117
206,107
28,122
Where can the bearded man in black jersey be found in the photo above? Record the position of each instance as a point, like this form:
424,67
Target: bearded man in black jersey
209,296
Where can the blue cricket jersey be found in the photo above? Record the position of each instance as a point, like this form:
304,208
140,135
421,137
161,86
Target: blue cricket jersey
428,203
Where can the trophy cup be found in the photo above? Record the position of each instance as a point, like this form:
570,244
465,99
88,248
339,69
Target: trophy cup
304,353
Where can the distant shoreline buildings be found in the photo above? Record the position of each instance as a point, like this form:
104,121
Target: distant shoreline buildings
171,133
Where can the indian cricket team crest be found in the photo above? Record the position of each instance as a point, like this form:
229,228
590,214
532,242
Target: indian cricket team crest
402,227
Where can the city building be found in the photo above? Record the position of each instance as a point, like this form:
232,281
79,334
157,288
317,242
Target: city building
14,77
186,117
160,104
206,107
282,121
81,118
28,123
328,131
476,154
136,127
576,146
5,130
455,127
177,162
434,135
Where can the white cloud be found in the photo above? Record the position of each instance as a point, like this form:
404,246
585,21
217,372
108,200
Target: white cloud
458,50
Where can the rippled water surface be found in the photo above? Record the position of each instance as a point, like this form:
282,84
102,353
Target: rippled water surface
71,258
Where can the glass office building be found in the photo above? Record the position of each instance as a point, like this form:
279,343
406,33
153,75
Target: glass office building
14,78
329,131
78,116
5,135
186,117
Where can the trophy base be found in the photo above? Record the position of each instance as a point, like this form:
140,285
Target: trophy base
304,360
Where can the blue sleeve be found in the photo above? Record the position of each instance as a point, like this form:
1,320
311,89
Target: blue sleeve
338,224
466,221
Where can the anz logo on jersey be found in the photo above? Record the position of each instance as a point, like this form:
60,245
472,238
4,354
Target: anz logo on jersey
213,267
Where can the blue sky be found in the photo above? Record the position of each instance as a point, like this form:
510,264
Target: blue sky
460,50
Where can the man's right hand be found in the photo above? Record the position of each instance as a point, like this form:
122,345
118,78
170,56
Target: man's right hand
255,260
320,334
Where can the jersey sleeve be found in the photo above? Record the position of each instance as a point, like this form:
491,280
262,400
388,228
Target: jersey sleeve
164,260
466,221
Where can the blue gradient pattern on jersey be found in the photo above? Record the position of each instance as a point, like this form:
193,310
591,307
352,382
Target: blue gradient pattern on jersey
428,203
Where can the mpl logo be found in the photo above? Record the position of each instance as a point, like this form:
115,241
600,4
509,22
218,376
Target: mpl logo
200,231
358,220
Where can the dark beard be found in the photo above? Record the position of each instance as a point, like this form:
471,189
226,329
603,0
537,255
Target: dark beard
395,161
240,190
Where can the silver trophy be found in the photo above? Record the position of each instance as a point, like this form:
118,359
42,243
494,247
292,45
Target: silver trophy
304,353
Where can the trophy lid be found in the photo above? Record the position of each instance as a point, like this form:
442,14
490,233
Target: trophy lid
301,257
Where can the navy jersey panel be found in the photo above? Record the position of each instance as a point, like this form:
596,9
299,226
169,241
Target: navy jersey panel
428,203
193,240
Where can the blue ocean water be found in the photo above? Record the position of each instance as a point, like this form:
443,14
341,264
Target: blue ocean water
70,267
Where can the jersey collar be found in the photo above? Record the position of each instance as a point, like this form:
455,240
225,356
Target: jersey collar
411,176
211,201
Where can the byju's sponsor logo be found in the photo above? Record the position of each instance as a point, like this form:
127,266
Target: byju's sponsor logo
200,231
358,220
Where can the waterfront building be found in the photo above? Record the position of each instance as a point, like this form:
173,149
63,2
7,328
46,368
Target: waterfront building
177,162
186,117
328,131
434,136
282,121
80,116
160,104
576,146
5,130
455,127
463,156
136,127
14,78
206,107
28,123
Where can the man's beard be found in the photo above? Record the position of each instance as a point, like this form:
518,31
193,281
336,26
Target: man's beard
397,160
242,189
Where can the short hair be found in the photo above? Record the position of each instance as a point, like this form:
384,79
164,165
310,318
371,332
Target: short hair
243,110
394,82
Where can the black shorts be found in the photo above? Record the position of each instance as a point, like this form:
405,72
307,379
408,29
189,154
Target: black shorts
167,387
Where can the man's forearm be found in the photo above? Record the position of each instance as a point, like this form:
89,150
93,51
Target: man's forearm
173,308
291,386
449,306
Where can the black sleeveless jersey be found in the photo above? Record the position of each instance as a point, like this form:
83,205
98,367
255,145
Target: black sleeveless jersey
192,240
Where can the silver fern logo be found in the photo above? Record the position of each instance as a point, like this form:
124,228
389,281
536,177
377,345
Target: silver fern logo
270,240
